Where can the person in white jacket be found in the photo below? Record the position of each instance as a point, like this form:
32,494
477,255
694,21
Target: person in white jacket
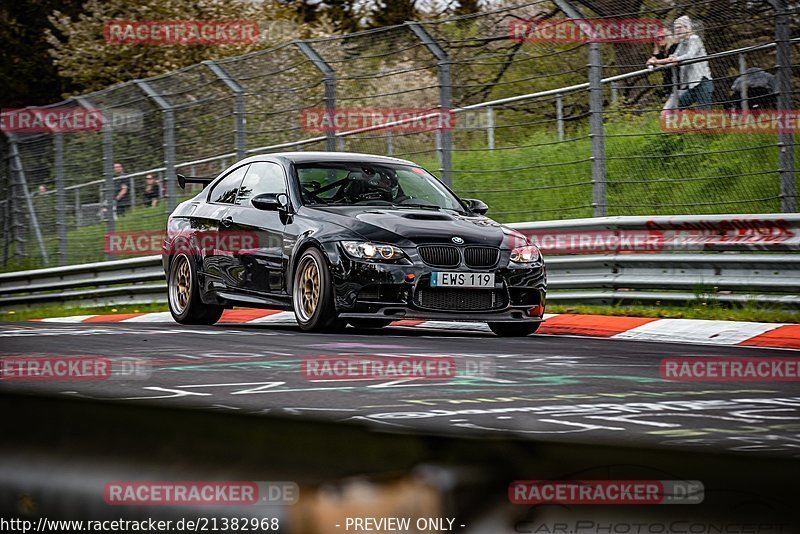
695,85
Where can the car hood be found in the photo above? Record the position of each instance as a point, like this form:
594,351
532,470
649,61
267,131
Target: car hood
410,227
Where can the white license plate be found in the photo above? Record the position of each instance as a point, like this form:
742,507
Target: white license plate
442,279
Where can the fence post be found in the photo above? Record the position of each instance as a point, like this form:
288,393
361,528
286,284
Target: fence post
239,118
444,135
169,140
596,131
389,143
783,60
78,209
22,183
490,127
743,74
108,166
61,212
12,225
329,80
560,117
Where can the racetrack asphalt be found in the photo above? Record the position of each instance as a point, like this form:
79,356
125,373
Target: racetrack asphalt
549,388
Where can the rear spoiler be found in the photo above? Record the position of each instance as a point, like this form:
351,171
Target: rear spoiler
183,180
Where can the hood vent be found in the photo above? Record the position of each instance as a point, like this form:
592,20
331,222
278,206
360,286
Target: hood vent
426,216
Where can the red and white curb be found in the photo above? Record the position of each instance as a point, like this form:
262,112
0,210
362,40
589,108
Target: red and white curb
771,335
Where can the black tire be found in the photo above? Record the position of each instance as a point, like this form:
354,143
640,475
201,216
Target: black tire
369,323
514,329
183,294
312,294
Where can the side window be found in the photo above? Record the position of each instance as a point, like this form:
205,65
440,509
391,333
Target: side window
225,191
262,177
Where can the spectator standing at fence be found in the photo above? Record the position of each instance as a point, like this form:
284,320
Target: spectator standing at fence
695,82
151,193
123,197
664,47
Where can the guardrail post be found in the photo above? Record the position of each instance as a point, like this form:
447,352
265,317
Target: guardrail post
18,170
61,211
444,135
783,60
239,117
329,80
107,198
169,140
743,74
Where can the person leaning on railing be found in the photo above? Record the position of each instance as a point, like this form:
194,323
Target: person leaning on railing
694,79
664,47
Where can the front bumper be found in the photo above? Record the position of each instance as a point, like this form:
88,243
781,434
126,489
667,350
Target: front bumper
395,291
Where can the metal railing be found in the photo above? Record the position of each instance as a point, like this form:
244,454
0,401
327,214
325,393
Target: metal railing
543,130
724,258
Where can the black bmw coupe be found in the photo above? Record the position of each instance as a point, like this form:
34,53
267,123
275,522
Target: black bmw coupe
347,238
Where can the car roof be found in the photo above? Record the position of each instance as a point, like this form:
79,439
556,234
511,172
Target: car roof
329,157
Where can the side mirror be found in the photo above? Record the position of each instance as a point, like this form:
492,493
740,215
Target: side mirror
476,206
270,201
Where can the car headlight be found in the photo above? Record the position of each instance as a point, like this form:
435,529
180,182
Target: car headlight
526,254
364,250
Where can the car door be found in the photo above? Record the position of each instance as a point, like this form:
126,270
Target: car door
259,262
218,259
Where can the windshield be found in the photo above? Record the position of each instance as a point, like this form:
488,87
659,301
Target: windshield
369,184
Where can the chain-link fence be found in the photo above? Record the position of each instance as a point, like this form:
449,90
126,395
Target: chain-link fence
544,128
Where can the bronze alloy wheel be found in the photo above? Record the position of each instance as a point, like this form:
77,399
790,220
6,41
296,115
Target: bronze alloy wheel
307,290
180,284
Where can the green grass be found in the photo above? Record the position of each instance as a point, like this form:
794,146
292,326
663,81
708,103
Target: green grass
695,311
647,173
58,310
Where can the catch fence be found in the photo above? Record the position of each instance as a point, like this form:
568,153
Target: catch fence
543,130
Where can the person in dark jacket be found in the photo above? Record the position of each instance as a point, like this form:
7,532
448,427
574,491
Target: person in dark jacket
151,193
664,47
762,91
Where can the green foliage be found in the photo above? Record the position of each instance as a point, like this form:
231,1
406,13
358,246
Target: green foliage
84,57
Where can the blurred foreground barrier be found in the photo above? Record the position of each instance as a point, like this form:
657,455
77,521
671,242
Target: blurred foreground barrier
58,456
725,258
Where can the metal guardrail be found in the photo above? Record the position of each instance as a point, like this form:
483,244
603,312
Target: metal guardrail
727,258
